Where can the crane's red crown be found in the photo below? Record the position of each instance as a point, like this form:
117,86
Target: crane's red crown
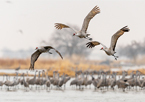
36,48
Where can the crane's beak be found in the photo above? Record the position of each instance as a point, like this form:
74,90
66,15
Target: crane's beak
101,49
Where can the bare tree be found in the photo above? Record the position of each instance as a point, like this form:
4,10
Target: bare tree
132,50
64,41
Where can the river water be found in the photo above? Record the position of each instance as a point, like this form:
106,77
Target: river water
70,94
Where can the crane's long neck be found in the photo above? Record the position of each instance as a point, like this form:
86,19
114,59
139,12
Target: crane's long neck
47,76
16,75
57,75
7,77
27,74
3,77
43,75
53,75
86,75
82,76
123,76
23,78
35,75
39,75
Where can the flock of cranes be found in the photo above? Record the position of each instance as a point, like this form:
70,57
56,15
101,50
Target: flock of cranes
82,34
100,80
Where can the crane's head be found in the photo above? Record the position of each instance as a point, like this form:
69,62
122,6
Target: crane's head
125,29
74,34
36,48
102,48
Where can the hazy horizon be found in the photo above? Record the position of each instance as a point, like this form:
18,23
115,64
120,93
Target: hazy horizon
24,24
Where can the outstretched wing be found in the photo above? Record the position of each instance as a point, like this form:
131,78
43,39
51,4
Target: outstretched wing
87,19
115,38
60,26
58,53
34,58
50,47
94,43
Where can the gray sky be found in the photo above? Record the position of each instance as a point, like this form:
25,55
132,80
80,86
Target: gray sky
36,19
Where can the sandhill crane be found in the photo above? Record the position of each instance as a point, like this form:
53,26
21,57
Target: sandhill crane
94,82
18,68
131,80
143,83
74,82
33,80
21,81
82,33
111,50
26,84
112,81
48,83
86,81
39,51
56,80
66,80
123,82
100,82
2,82
137,79
80,81
38,79
61,82
42,81
27,78
8,83
45,79
16,80
53,78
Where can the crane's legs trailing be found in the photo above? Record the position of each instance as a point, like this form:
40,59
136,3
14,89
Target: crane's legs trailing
115,57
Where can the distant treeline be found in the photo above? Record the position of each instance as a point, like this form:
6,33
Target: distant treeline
133,50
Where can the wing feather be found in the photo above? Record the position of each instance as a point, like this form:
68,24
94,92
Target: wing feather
60,26
92,44
115,38
34,58
50,47
58,53
87,19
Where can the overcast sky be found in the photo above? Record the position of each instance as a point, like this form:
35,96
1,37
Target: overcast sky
36,18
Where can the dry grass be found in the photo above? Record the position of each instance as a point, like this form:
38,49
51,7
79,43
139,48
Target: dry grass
12,74
62,66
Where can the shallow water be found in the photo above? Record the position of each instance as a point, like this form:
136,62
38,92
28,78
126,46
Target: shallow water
70,94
